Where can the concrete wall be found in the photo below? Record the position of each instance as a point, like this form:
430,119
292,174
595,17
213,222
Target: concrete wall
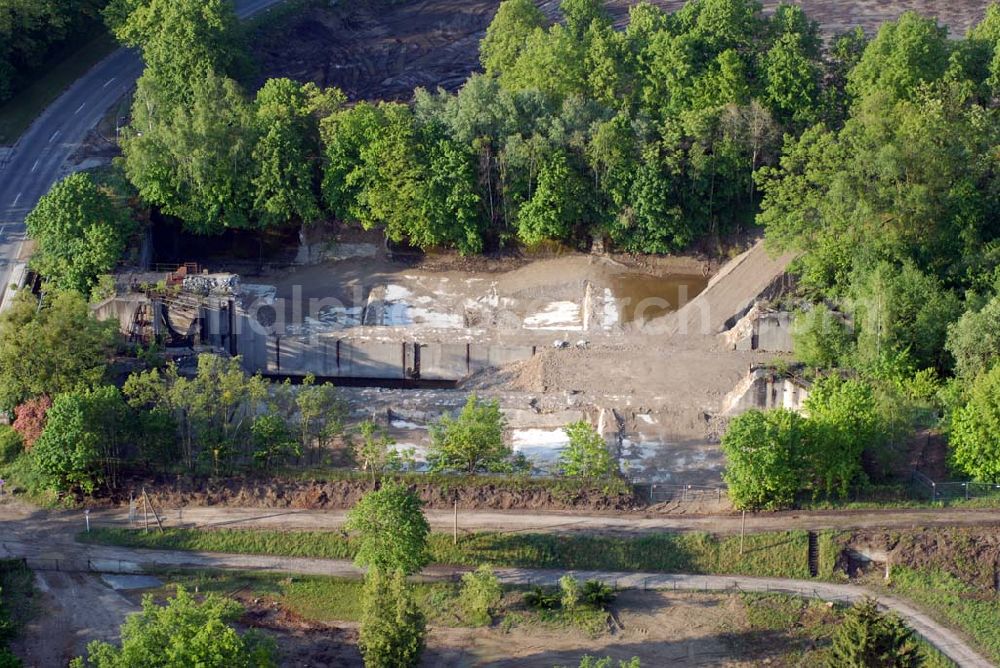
762,330
763,389
334,356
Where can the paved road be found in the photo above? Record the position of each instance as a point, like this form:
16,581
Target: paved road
59,553
479,520
40,156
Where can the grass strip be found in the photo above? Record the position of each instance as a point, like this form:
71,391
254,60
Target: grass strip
974,611
777,554
327,600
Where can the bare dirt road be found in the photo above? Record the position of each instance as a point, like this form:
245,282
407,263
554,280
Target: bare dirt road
554,522
76,609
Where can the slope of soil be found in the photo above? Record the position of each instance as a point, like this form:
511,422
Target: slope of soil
343,494
971,554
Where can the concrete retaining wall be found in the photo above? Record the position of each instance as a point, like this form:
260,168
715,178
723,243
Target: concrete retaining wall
760,329
763,389
334,356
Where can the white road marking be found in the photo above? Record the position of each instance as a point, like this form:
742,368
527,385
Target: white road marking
36,165
109,82
16,199
80,109
54,135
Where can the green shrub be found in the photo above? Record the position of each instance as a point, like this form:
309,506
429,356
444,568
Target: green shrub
392,627
8,660
481,594
541,598
11,444
598,594
868,637
571,591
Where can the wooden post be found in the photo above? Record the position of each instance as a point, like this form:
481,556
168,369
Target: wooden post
156,516
455,534
743,531
145,514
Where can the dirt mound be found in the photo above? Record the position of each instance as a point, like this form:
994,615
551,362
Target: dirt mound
343,494
972,555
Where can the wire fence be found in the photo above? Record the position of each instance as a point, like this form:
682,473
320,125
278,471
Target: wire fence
657,492
933,490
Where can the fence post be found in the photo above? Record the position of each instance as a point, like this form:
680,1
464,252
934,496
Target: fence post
966,491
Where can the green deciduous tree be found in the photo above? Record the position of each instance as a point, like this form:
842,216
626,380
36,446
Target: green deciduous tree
11,444
905,54
473,441
868,637
322,413
84,439
974,340
52,347
392,627
975,429
845,414
586,455
792,79
386,168
181,40
392,530
273,441
558,204
821,338
287,153
375,451
80,233
194,159
505,37
581,14
31,31
213,411
903,310
765,455
182,633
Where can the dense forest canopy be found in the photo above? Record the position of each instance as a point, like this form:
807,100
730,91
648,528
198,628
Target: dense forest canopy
30,30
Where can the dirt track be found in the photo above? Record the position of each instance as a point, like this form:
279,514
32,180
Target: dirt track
77,608
569,523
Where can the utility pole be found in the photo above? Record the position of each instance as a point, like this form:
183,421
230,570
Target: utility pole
743,531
